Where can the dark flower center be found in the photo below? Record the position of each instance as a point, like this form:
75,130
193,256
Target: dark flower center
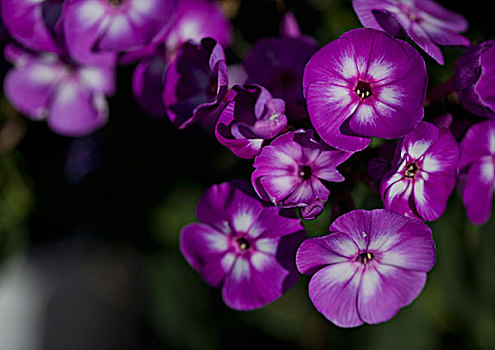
305,172
365,257
115,2
363,89
411,170
242,243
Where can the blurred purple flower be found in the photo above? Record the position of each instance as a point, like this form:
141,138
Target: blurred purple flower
278,65
477,164
370,265
34,24
198,19
426,22
474,79
289,172
243,245
423,174
69,96
194,20
96,30
356,90
251,117
196,83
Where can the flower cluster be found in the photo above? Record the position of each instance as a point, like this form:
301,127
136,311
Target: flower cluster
298,113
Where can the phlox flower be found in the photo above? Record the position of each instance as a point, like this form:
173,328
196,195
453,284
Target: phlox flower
364,84
96,30
71,97
370,265
243,245
477,164
423,173
474,79
289,172
251,116
426,22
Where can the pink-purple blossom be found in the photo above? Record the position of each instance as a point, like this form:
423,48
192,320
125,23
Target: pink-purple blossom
371,264
71,97
289,172
196,83
243,245
96,30
423,173
474,79
426,22
477,165
364,84
251,117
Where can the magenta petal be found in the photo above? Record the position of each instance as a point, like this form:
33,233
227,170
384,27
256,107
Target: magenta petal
205,250
333,291
147,84
254,282
479,141
385,289
479,189
24,21
431,195
318,252
395,195
357,224
401,242
29,87
75,111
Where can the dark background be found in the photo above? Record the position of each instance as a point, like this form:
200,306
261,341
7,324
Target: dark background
93,223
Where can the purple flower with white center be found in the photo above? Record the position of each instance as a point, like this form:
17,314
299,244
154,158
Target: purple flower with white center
423,173
278,65
69,96
426,22
242,244
370,265
196,83
96,30
289,172
474,79
195,20
35,24
251,117
364,84
477,163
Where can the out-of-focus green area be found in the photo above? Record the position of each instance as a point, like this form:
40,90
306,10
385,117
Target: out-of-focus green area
143,185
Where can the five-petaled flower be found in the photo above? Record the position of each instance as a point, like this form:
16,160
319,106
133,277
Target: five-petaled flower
243,244
364,84
370,265
423,173
426,22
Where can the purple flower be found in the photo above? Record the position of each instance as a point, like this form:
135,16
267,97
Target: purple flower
278,65
474,79
34,24
69,96
364,84
251,117
370,265
289,172
196,83
95,30
477,164
195,20
243,245
423,173
198,19
427,23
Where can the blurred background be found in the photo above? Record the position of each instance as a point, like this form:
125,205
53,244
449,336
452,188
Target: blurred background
89,227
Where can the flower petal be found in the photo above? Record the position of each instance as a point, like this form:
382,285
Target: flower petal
479,189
